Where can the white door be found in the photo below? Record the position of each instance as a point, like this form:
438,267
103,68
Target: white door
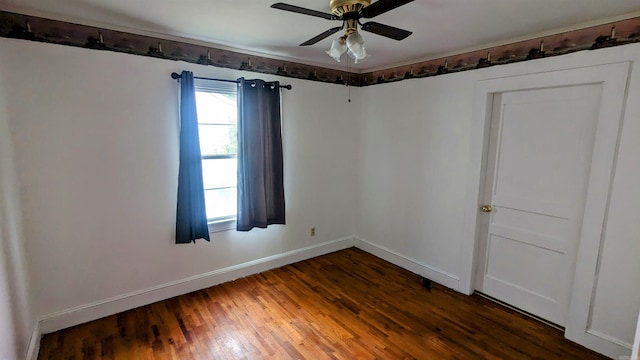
537,173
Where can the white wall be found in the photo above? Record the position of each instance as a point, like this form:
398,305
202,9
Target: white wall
415,140
96,144
16,320
415,171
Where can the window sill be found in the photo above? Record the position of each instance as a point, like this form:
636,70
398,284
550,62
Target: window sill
222,225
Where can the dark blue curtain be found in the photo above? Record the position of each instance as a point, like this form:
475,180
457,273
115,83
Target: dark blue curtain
191,218
260,164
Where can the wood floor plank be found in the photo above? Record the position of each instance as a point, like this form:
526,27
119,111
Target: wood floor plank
345,305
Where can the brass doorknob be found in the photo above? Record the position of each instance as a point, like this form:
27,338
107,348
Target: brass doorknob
487,208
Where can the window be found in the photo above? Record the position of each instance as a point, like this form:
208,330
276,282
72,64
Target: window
217,126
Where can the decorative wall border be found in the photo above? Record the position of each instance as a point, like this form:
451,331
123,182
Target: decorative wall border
590,38
33,28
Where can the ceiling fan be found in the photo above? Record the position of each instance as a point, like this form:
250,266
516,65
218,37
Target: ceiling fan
350,12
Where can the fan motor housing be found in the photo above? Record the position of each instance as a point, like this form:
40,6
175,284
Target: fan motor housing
341,7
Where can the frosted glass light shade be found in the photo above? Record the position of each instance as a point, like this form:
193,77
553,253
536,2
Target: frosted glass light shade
338,47
362,58
355,44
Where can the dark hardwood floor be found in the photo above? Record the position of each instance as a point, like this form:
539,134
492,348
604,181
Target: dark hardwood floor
344,305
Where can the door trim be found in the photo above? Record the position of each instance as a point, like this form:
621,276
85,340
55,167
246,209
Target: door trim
613,79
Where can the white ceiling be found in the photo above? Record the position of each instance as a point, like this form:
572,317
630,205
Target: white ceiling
439,27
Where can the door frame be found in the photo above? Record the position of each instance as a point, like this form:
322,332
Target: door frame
613,79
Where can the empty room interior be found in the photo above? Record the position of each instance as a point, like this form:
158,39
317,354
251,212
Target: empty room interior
334,179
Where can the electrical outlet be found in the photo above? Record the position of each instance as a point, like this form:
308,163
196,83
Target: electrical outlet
313,231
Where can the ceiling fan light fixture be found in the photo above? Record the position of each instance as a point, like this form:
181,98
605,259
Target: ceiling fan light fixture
362,58
349,12
356,49
354,42
338,47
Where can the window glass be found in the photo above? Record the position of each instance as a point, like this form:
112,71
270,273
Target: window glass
217,120
221,204
218,139
219,173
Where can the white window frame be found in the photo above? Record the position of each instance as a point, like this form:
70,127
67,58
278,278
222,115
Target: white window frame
217,225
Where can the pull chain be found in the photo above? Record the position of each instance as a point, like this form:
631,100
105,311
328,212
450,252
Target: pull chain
349,77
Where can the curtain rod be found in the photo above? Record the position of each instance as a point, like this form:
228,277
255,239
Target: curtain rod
177,76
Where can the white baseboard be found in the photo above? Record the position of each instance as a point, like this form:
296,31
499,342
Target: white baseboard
34,343
99,309
440,276
606,345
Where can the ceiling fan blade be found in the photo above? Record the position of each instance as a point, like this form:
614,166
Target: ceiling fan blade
386,30
321,36
381,7
303,11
